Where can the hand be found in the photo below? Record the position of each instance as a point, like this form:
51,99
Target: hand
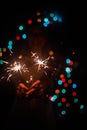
33,87
22,88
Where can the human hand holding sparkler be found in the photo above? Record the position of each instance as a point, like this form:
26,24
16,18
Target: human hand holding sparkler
33,87
29,90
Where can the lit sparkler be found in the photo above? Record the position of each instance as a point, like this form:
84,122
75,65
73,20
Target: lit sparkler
14,68
41,63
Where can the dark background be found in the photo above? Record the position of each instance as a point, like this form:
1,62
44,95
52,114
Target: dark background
72,33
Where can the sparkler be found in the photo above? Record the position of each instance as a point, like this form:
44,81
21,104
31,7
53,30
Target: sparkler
14,68
18,68
41,63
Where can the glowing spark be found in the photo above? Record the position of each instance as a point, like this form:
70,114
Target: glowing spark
2,78
14,68
30,79
41,63
11,52
5,62
33,54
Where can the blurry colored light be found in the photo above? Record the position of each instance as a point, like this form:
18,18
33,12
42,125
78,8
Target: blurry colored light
71,62
20,56
53,98
75,100
29,21
55,18
24,36
59,19
9,47
63,112
81,106
52,57
67,69
67,104
45,24
51,53
46,20
74,85
57,91
0,49
1,62
51,14
63,91
74,93
39,20
50,97
4,49
67,60
63,80
73,53
0,54
38,13
59,104
59,82
63,99
18,38
10,42
68,75
65,85
70,81
20,27
62,76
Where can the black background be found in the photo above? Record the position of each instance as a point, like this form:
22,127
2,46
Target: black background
72,33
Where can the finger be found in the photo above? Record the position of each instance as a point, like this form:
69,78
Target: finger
23,86
36,83
30,91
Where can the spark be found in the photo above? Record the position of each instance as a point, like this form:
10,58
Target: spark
11,52
41,63
30,79
5,62
14,68
2,78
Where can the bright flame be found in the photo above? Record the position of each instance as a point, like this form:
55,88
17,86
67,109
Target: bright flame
41,63
14,68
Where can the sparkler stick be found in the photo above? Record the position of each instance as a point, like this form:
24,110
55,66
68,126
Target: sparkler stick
32,88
